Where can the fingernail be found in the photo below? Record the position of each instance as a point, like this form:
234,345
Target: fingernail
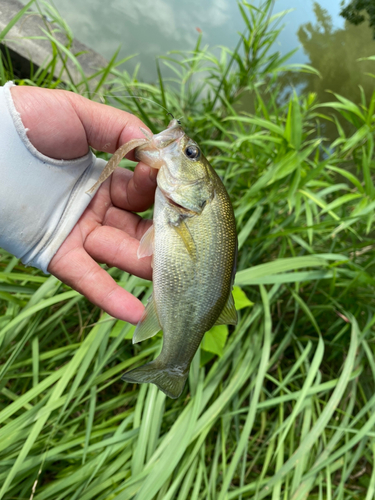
153,173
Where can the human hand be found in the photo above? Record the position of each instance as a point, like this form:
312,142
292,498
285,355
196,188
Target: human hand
62,125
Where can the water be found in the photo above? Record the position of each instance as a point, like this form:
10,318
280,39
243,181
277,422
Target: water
153,27
150,28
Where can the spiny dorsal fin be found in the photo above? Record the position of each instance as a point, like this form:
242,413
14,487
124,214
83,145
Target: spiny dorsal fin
148,325
228,315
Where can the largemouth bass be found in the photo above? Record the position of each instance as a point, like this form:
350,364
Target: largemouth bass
194,246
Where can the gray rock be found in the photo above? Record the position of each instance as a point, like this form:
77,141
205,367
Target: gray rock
23,49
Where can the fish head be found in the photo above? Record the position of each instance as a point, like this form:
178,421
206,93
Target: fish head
185,177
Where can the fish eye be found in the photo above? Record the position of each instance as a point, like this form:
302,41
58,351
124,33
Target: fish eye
192,152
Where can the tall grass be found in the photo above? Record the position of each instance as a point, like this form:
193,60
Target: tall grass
282,406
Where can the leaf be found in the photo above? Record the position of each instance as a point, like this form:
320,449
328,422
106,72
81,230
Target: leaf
240,299
356,139
293,126
16,18
117,329
260,122
348,175
246,230
247,276
214,340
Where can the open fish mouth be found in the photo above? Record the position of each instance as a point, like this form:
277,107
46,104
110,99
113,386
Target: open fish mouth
158,142
180,207
176,205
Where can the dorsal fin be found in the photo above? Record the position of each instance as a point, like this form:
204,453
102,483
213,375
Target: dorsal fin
228,315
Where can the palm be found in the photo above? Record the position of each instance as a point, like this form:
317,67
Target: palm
108,232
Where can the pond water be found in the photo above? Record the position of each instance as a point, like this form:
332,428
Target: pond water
150,28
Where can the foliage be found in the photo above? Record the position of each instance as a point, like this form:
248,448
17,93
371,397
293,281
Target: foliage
288,409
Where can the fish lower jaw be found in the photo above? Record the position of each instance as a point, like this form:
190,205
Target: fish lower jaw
176,205
172,202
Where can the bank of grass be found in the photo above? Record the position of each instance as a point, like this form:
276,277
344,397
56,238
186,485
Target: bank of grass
288,409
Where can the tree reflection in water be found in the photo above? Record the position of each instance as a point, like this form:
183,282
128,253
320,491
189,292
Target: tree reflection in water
336,54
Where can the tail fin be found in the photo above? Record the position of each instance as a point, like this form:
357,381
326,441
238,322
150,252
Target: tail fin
170,380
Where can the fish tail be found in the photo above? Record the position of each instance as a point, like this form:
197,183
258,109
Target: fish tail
169,379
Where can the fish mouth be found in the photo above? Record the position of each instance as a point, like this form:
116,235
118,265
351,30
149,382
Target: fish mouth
174,132
174,204
153,149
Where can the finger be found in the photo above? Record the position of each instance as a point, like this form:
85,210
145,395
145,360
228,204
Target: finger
99,213
103,127
134,191
51,122
128,222
81,272
106,127
117,249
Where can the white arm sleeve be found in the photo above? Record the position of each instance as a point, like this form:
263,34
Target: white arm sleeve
41,199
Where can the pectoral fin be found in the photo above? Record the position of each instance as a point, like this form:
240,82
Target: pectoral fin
184,232
228,315
148,325
146,245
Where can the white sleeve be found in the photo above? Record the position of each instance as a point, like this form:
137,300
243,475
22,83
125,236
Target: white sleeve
41,198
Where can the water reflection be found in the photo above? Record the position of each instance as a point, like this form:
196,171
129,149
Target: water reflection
150,28
335,53
154,27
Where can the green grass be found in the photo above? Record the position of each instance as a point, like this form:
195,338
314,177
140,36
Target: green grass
287,410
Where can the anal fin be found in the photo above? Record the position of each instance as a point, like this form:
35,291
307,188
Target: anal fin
148,325
228,315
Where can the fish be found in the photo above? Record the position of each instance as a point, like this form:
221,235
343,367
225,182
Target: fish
193,243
